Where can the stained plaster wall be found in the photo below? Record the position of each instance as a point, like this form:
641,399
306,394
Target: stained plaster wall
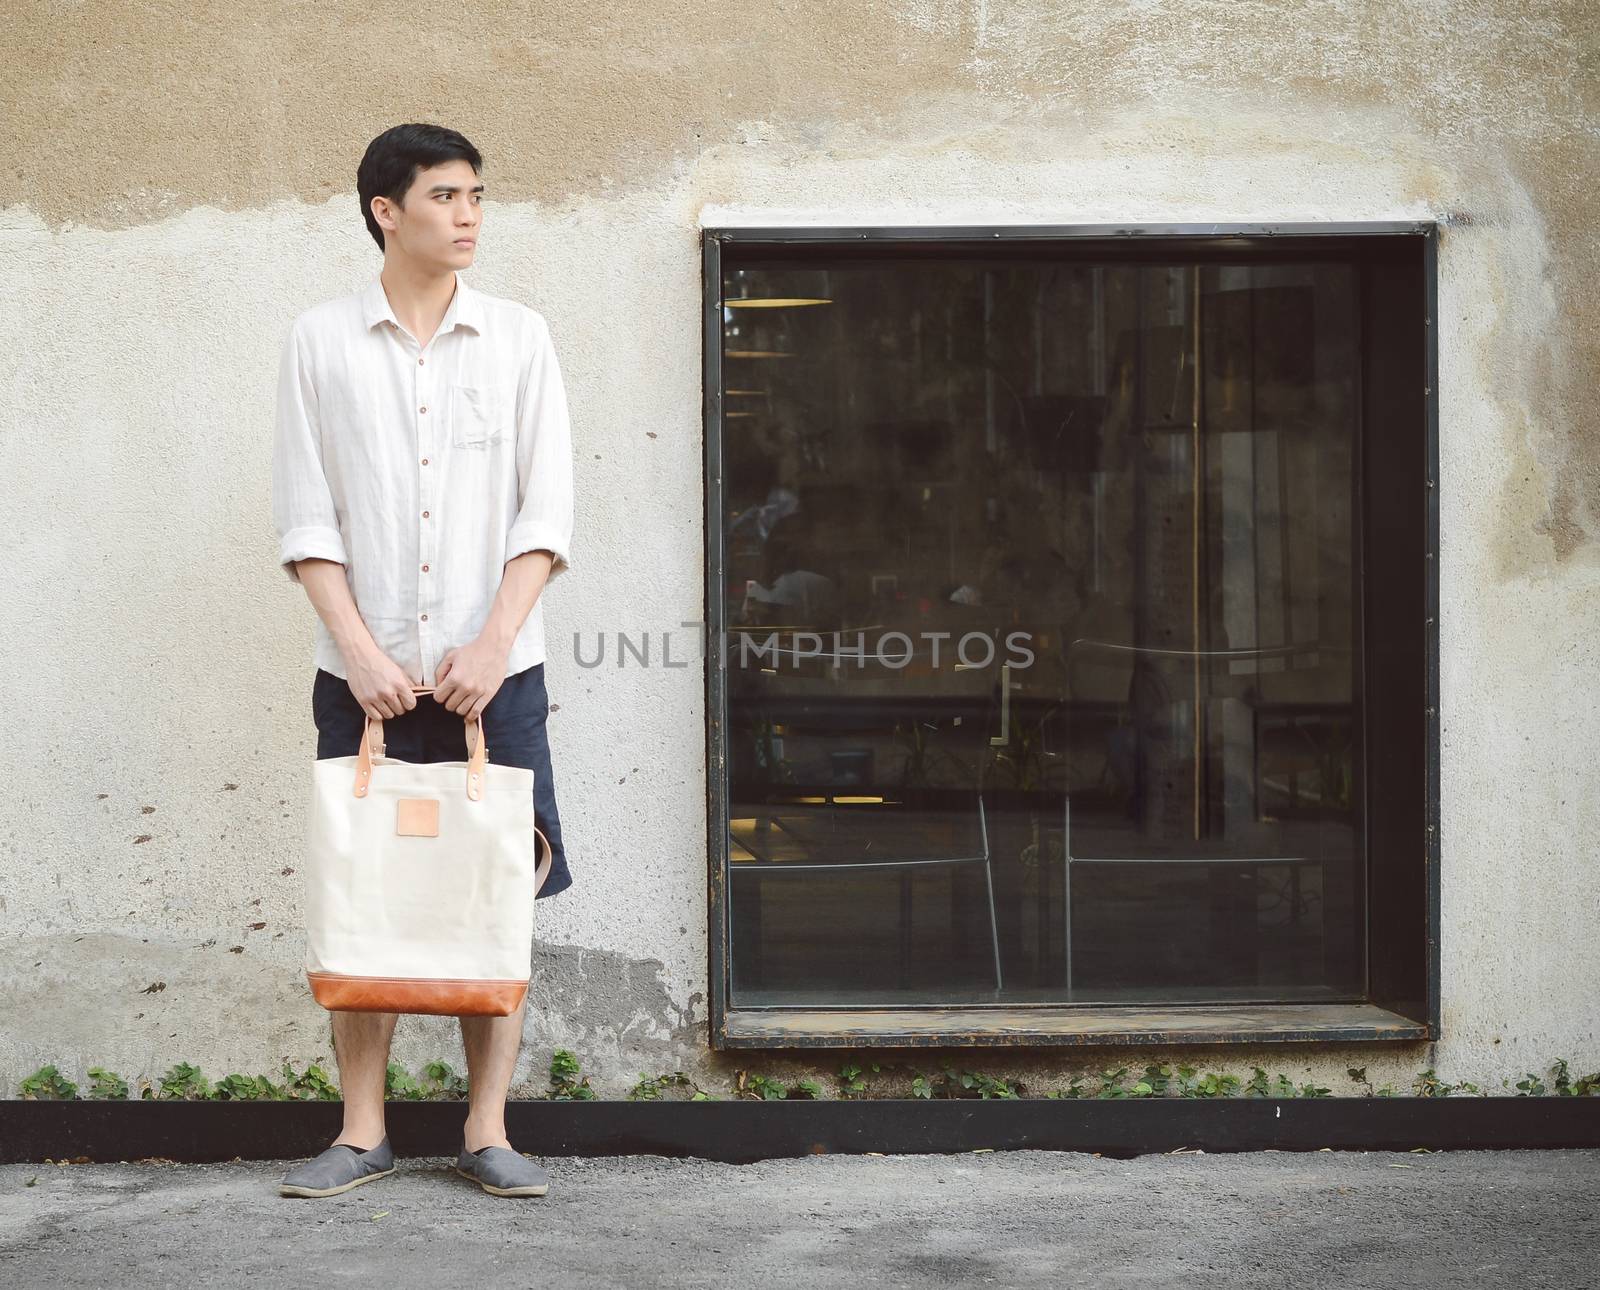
178,182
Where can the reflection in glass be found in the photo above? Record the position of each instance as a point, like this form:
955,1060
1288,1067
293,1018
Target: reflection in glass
1042,603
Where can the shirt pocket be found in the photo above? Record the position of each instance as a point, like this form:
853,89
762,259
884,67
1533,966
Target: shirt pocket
481,415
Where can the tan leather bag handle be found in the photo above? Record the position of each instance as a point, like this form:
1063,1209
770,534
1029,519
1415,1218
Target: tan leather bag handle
372,745
542,871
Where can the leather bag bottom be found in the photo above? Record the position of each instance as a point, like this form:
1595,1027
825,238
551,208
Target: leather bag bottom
416,994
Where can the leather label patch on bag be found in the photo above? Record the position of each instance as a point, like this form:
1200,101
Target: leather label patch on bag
417,817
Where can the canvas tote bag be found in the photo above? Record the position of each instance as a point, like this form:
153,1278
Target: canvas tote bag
419,881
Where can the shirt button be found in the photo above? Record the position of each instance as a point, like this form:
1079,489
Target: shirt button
424,617
423,408
424,514
421,361
424,461
424,568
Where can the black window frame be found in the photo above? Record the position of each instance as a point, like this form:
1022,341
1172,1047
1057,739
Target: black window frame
1403,898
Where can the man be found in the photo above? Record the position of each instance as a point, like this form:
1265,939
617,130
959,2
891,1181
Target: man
422,495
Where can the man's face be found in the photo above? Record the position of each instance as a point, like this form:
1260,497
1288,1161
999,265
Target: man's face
442,214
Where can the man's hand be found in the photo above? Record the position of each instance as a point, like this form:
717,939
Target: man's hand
469,676
377,682
380,685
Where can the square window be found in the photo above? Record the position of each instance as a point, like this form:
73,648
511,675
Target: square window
1075,594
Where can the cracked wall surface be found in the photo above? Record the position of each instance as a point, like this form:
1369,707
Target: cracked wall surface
179,183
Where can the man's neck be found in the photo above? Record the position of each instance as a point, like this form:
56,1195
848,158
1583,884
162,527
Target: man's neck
419,298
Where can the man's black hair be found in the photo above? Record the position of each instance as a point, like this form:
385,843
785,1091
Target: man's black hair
390,165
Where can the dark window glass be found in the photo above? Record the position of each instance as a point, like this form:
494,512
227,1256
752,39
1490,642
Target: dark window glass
1042,589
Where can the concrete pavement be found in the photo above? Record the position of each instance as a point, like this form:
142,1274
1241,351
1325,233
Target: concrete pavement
1026,1218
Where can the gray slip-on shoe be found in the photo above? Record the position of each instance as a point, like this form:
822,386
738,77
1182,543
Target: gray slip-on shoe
502,1172
338,1169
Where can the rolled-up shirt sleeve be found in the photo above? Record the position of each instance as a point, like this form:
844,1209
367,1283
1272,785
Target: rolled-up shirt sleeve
544,459
302,505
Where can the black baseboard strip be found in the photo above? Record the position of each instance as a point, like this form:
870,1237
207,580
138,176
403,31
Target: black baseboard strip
743,1131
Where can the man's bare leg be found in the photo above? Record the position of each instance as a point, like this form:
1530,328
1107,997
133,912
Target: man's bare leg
361,1049
492,1044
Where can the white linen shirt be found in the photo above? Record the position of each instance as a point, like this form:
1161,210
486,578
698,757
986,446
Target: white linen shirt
422,469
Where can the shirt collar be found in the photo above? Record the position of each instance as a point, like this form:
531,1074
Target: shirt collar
466,309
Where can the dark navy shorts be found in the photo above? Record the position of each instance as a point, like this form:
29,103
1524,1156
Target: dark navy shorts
513,727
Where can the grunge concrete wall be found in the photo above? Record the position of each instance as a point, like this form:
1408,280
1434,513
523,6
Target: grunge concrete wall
177,182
